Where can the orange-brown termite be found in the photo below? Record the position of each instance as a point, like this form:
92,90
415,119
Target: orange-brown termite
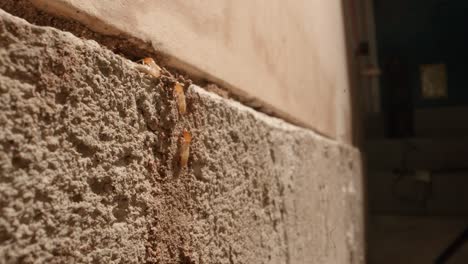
185,148
149,66
180,98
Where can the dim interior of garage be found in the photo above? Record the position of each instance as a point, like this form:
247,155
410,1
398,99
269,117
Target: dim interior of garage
412,58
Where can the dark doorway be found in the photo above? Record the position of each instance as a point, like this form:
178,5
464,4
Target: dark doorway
415,141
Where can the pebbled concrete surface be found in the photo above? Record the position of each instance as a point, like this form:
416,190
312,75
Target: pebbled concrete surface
89,168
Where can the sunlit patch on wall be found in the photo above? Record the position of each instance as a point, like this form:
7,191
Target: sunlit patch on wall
433,81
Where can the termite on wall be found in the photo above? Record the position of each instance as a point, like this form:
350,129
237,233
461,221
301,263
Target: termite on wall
180,98
185,148
149,66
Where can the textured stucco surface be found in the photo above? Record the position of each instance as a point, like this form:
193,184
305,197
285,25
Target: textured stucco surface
89,171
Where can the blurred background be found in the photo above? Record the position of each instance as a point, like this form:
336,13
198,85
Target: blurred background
408,59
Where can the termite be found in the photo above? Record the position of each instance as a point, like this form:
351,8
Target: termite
180,97
185,148
150,67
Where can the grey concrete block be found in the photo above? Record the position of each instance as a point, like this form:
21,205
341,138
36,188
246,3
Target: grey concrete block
89,170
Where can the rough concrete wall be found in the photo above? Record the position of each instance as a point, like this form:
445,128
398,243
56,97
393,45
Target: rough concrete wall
89,168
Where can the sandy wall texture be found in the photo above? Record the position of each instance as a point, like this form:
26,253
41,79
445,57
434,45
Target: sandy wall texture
89,170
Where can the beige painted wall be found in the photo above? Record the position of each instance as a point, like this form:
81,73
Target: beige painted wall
288,54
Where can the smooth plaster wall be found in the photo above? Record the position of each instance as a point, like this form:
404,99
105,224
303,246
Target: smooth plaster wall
89,172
